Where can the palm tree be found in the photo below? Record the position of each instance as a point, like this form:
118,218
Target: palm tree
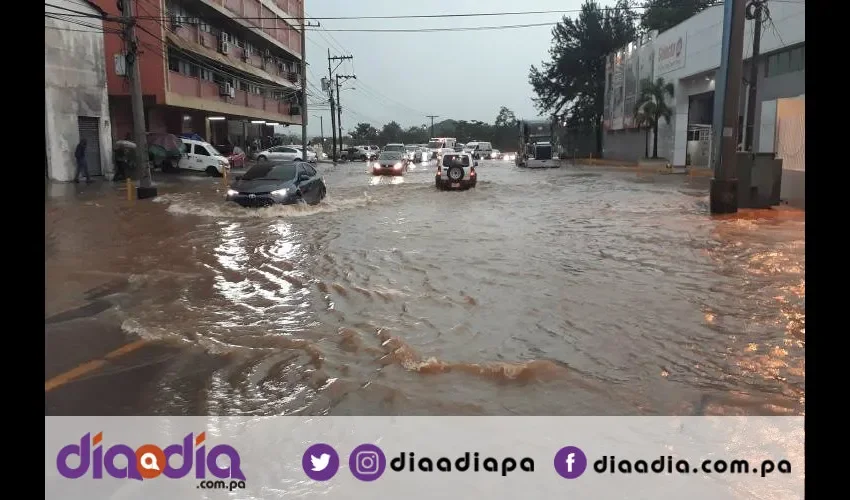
652,106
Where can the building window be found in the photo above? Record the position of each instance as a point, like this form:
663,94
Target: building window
785,62
243,85
173,63
205,27
207,75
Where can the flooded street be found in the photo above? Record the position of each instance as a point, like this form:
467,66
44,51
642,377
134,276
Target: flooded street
572,291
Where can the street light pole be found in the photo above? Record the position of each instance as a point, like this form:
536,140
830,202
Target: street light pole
432,123
754,11
724,184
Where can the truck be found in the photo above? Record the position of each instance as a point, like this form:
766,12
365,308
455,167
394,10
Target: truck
538,144
437,144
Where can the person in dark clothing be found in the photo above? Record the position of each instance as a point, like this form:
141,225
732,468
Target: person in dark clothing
82,164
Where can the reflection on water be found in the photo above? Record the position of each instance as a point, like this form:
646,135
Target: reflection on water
539,292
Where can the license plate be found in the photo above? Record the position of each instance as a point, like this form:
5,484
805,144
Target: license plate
455,184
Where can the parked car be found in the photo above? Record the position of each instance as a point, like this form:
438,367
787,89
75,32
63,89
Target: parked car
282,153
278,183
456,171
390,163
312,157
362,153
234,154
203,157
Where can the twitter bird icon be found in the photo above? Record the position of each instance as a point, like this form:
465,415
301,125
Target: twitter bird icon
320,462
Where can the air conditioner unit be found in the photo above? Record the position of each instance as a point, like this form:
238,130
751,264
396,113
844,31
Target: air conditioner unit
227,90
223,47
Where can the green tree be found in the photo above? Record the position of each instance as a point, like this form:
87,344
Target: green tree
505,118
662,15
652,106
391,132
572,82
365,133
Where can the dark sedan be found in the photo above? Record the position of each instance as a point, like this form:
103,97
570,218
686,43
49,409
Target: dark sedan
390,163
272,183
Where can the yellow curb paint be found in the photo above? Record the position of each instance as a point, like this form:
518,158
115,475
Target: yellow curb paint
90,366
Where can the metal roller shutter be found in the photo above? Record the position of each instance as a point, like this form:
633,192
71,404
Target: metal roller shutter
90,130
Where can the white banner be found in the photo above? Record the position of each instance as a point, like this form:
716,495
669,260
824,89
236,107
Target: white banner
163,458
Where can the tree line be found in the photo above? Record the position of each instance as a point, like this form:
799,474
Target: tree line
571,84
502,133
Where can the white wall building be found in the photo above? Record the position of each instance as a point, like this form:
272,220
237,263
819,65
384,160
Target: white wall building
688,55
76,103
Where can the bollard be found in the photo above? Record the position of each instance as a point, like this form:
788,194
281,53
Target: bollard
130,191
224,176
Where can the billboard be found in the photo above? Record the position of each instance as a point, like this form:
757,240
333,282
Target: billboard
631,86
617,91
670,53
606,114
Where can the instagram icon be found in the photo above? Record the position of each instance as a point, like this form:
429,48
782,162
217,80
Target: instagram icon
367,462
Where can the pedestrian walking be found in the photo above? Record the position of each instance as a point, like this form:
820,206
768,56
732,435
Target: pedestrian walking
82,164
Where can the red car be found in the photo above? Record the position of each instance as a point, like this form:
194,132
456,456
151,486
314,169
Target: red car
235,155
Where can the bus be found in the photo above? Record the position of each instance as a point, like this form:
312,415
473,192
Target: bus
538,145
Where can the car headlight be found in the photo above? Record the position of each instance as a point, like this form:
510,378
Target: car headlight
398,165
280,192
223,163
231,192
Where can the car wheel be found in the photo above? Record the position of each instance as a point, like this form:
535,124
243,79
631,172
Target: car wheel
298,159
212,172
455,173
261,158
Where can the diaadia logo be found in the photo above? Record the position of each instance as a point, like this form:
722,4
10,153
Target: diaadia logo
149,461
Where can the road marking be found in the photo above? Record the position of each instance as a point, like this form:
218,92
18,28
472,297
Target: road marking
90,366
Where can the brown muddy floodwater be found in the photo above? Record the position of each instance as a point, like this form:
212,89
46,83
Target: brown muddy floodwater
561,292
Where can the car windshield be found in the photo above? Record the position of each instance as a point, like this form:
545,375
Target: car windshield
450,160
271,171
211,149
390,155
394,147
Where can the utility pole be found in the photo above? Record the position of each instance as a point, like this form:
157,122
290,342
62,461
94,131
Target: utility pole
724,184
339,103
322,130
334,104
304,114
432,123
754,13
142,172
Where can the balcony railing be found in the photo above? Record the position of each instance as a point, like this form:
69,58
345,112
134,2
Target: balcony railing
195,87
254,13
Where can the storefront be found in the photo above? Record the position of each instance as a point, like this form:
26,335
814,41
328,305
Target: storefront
688,56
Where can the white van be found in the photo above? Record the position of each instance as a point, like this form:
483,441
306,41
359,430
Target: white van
480,150
203,157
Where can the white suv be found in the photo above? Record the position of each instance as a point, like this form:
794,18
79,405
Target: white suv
480,150
456,171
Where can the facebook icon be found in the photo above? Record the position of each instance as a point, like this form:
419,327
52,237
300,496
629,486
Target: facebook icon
570,462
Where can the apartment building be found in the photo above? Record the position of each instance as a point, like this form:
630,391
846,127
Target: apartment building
222,69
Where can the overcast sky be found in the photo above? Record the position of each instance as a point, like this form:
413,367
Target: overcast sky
405,76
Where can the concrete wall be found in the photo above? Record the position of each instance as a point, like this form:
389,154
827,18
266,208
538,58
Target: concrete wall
626,145
74,86
702,42
777,87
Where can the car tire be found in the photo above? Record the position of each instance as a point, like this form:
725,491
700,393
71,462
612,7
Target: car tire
166,166
213,172
457,177
298,159
261,158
